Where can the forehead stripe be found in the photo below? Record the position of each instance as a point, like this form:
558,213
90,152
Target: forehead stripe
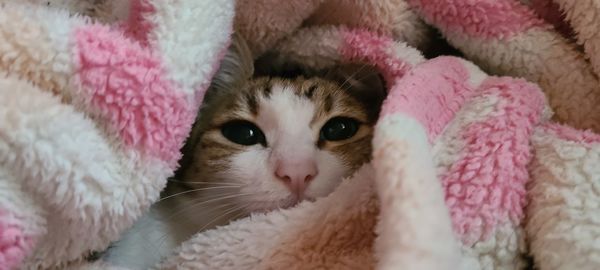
267,88
310,92
328,104
252,103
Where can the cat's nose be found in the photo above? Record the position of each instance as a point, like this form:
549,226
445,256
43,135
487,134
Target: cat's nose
297,175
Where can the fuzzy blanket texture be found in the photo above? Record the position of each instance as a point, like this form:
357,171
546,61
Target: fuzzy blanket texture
485,161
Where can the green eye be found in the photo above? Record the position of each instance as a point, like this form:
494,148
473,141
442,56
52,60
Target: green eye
243,132
339,128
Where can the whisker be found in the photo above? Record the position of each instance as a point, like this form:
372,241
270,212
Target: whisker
222,215
230,210
164,236
239,215
210,210
207,183
194,190
352,76
356,78
196,204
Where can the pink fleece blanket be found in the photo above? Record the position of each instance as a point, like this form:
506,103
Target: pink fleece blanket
469,171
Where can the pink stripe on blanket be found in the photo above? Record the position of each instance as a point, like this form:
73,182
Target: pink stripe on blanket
568,133
364,46
480,18
138,25
14,243
127,87
432,93
486,186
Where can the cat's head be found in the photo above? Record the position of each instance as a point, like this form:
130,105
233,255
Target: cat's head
276,141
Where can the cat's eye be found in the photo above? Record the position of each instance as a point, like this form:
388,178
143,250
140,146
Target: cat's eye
243,132
339,128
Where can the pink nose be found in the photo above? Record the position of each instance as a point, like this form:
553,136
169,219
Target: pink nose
297,175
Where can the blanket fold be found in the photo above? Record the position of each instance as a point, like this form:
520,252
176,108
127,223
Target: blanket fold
506,37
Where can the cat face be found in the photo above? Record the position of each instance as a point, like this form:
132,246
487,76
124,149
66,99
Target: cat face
271,141
283,140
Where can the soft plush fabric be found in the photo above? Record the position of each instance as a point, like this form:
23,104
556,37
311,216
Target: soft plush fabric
479,162
92,117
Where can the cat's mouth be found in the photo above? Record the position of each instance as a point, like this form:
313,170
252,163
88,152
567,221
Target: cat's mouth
296,199
267,206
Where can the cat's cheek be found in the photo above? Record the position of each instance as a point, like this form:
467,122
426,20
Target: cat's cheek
253,171
331,172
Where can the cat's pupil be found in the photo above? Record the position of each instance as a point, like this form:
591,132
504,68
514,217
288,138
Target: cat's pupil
243,132
339,128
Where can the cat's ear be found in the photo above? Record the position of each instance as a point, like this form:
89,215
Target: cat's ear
237,66
360,80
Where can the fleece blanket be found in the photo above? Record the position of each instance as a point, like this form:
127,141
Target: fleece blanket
483,162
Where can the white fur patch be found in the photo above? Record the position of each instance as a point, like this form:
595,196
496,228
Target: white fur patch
181,38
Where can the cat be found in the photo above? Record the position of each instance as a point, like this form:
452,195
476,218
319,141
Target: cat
261,142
